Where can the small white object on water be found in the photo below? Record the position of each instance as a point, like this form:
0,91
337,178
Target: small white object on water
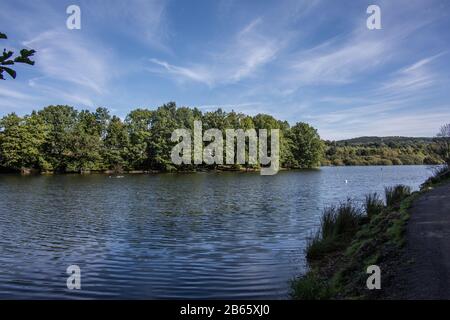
346,181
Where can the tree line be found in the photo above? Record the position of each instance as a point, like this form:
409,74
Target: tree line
388,151
62,139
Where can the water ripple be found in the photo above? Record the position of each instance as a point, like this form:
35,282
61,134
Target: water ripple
214,235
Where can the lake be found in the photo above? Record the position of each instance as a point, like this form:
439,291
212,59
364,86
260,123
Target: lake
202,235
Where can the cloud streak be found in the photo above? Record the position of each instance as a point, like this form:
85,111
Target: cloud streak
70,59
311,61
247,52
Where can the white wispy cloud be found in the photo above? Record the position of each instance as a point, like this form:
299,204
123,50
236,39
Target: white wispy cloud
420,123
412,78
248,51
251,49
144,21
13,93
195,73
355,55
338,65
300,60
65,57
78,66
62,95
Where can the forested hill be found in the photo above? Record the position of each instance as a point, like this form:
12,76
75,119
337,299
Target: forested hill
382,151
394,140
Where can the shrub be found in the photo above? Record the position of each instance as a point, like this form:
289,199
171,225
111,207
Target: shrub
432,160
385,162
373,204
396,194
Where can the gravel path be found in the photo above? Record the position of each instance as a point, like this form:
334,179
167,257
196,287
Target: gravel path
427,275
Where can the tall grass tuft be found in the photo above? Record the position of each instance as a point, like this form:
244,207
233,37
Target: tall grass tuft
311,287
395,194
373,205
338,224
327,222
347,219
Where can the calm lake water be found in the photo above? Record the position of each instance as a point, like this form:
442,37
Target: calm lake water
203,235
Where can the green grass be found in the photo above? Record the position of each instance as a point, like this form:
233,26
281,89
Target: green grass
394,195
373,205
348,242
312,287
338,225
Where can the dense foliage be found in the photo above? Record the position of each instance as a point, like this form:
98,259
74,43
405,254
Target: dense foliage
62,139
383,151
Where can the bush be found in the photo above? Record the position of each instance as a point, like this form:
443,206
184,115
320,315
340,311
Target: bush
337,162
395,194
385,162
373,204
432,160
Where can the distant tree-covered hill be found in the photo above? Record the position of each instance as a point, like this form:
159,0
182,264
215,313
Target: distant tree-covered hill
382,151
392,140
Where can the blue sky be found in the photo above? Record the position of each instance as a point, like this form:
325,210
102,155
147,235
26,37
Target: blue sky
313,61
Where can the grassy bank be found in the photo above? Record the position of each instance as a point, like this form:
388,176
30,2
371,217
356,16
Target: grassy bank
353,237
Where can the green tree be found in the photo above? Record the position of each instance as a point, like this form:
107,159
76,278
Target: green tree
215,119
164,122
307,147
102,118
116,145
265,121
84,143
138,123
21,142
443,143
61,139
61,121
